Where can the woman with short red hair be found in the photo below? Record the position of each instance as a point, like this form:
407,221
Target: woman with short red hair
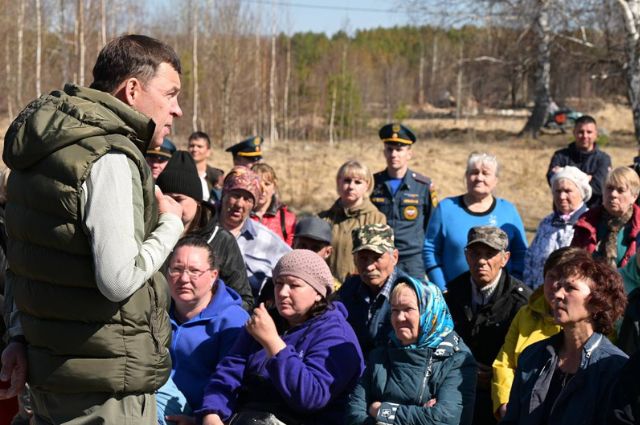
566,378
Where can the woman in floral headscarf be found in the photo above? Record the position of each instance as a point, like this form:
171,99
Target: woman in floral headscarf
426,375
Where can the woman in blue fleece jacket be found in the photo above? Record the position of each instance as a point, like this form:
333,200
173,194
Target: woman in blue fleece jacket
302,374
206,318
443,250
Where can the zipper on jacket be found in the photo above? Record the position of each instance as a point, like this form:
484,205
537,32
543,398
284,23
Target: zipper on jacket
425,380
558,397
153,316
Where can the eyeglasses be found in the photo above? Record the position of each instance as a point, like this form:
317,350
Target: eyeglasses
192,273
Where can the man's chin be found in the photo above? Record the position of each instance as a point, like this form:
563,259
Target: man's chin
156,142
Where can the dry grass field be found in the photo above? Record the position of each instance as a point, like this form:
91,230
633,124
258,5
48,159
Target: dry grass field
307,169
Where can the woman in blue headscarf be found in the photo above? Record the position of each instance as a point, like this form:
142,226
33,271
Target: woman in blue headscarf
426,375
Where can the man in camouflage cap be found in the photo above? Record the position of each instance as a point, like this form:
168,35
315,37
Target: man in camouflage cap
366,296
483,302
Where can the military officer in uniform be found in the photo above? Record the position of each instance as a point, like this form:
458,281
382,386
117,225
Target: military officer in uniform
247,152
158,157
405,197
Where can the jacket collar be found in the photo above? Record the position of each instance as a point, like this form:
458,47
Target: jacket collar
142,126
580,155
248,229
366,206
273,206
449,345
558,221
590,347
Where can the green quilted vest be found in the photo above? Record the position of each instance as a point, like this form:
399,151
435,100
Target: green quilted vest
79,341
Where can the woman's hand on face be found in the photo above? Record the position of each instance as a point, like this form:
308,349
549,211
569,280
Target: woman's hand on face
261,327
181,419
373,409
212,419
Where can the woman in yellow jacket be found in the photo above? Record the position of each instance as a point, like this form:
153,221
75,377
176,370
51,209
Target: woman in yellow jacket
532,323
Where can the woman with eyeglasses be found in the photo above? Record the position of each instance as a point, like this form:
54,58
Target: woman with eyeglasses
206,318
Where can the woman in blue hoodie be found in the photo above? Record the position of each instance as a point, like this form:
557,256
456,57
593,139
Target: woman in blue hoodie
206,318
298,368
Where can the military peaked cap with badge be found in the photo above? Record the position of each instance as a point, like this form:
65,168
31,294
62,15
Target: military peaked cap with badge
397,133
249,148
166,149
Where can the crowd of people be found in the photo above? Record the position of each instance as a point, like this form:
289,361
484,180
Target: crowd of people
142,285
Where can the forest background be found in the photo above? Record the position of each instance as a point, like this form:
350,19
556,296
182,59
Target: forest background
466,76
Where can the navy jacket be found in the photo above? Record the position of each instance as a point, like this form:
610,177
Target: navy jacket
484,331
407,212
624,403
369,318
595,163
582,401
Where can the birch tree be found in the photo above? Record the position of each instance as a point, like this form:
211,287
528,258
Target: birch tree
285,96
103,23
543,69
194,53
19,81
7,67
631,15
273,131
80,40
38,48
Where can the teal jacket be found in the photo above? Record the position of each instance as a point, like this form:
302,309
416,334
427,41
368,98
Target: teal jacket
78,340
412,377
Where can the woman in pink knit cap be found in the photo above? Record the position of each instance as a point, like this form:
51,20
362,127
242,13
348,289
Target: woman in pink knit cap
296,364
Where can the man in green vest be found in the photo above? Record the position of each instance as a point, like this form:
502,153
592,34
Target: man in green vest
88,322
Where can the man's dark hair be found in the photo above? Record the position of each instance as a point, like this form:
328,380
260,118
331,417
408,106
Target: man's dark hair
130,56
200,135
585,119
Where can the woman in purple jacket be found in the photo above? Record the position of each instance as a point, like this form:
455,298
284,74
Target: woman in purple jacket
297,367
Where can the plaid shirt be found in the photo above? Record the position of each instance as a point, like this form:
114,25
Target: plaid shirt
381,297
